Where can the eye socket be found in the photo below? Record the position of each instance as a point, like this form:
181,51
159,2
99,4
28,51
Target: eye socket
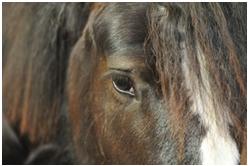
123,84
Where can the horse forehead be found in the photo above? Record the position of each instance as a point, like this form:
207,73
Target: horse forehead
126,61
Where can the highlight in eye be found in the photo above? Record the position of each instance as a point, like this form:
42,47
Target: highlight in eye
123,84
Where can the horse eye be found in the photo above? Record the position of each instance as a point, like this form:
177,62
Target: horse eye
123,84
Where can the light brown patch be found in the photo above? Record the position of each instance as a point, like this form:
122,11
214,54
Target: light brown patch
243,155
97,6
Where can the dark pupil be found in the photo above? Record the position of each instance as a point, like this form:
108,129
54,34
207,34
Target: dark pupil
123,83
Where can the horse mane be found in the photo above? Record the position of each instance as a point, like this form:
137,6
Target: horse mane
37,40
177,31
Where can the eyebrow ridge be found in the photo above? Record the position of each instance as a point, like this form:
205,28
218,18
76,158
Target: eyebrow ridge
121,70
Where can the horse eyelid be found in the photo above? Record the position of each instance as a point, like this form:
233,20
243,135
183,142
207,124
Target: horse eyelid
122,70
113,71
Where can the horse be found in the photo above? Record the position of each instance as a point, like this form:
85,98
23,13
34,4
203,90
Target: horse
124,83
